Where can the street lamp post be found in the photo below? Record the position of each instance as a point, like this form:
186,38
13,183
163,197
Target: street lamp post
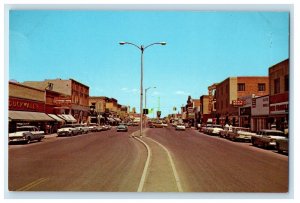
142,49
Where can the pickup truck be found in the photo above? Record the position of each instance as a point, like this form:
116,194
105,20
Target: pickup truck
26,134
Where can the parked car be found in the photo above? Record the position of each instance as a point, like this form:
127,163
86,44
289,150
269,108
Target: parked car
224,133
240,134
164,125
68,130
83,129
215,130
122,128
26,134
282,145
94,127
267,138
158,125
180,127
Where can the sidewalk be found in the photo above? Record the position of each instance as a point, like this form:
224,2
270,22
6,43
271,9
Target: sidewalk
48,136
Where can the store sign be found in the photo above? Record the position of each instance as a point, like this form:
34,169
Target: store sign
279,108
238,102
260,106
62,101
25,105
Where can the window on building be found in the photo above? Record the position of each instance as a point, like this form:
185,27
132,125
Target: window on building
277,86
286,83
261,87
241,86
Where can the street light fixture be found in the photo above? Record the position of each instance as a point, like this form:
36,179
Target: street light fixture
142,49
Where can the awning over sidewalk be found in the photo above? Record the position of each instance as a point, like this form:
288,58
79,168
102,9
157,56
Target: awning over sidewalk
28,116
55,117
67,117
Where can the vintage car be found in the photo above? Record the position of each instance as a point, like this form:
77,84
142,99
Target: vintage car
94,127
26,134
122,128
282,145
68,130
158,125
214,130
267,138
83,129
240,134
224,133
180,127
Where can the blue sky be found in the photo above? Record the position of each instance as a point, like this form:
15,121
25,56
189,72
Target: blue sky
202,48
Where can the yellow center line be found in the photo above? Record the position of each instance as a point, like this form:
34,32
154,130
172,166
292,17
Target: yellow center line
32,184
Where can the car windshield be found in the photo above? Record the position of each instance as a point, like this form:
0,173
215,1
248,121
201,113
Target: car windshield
275,133
24,129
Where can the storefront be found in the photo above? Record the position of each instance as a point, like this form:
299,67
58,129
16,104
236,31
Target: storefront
279,111
19,118
260,113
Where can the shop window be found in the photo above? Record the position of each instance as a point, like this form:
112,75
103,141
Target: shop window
277,86
241,86
286,83
261,87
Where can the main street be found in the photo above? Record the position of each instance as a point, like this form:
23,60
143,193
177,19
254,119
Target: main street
186,161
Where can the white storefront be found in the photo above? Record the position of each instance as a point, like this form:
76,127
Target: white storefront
259,113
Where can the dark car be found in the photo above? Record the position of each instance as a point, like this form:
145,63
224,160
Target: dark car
122,128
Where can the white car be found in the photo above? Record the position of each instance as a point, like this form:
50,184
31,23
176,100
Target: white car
267,138
180,127
26,134
216,130
68,130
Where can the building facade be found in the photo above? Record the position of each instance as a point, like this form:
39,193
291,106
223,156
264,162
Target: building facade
27,107
229,94
75,99
260,113
279,94
205,108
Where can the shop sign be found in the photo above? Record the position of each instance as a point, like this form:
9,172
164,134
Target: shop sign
260,106
25,105
238,102
279,108
62,101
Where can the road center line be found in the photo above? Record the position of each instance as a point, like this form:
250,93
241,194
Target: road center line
172,165
32,184
145,171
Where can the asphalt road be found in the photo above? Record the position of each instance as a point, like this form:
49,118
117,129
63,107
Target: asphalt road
212,164
109,161
103,161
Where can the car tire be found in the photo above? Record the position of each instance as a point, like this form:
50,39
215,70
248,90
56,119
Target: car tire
40,139
28,140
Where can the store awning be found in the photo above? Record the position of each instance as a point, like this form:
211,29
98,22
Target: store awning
55,117
67,117
28,116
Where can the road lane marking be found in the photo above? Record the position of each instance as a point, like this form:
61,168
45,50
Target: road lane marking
32,184
172,165
145,171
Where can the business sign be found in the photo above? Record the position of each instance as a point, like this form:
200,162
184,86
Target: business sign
191,115
190,109
26,105
62,101
260,106
279,108
238,102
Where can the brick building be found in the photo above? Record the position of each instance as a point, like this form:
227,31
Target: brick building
230,91
279,94
205,108
74,99
26,106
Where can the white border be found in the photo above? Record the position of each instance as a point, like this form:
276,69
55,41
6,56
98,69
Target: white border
135,5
